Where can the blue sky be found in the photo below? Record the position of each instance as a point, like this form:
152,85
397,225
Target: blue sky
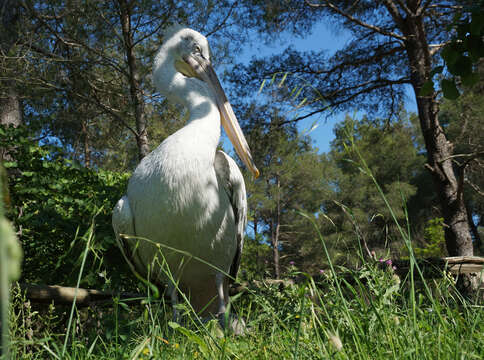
322,37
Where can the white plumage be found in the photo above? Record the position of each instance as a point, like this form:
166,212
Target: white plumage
185,194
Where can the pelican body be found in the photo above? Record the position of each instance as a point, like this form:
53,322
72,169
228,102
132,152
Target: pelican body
185,195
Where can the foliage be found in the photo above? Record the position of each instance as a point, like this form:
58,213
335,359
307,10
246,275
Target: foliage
333,187
435,241
463,120
368,72
290,180
86,85
256,258
463,53
357,213
54,201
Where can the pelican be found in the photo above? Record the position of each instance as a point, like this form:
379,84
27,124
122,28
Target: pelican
186,195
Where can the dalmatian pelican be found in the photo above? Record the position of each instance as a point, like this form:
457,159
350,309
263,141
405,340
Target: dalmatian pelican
186,195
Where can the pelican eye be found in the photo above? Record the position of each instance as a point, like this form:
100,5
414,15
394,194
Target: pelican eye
197,49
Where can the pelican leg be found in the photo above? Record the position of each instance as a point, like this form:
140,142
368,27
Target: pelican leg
219,283
174,301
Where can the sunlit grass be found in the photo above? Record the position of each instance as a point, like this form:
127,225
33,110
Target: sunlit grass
369,314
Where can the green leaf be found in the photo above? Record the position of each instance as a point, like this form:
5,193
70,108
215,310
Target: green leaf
477,24
427,88
191,336
273,79
462,66
173,325
449,54
124,306
470,79
301,103
282,80
10,164
475,46
262,85
449,89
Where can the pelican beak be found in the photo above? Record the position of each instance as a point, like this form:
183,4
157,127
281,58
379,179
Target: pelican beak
202,69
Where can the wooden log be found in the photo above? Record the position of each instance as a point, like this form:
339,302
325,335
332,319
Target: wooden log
455,264
465,268
464,259
65,295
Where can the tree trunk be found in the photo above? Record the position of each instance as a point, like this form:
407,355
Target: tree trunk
439,149
275,232
10,104
87,148
257,256
275,248
10,107
134,80
10,114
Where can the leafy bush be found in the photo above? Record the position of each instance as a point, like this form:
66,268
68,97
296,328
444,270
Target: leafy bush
54,202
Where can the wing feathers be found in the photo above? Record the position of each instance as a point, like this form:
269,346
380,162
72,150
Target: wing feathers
233,183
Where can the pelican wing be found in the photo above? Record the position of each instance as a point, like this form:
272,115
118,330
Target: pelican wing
233,183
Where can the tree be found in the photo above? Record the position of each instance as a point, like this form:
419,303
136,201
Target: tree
394,43
83,69
290,180
92,51
462,120
356,216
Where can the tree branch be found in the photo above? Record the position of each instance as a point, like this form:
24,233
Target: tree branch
222,23
393,10
350,97
357,21
405,7
436,47
474,187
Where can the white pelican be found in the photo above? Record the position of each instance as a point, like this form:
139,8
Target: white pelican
186,194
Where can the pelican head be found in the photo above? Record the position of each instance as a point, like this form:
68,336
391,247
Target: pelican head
186,53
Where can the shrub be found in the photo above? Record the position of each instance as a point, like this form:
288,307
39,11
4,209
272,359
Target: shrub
54,201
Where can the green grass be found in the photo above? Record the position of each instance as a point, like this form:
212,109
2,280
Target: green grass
342,314
373,313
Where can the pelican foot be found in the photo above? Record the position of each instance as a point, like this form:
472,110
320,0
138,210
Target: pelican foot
235,325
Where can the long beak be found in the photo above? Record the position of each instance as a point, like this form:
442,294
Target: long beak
203,70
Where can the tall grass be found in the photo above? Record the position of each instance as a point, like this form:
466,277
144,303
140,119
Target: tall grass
372,312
